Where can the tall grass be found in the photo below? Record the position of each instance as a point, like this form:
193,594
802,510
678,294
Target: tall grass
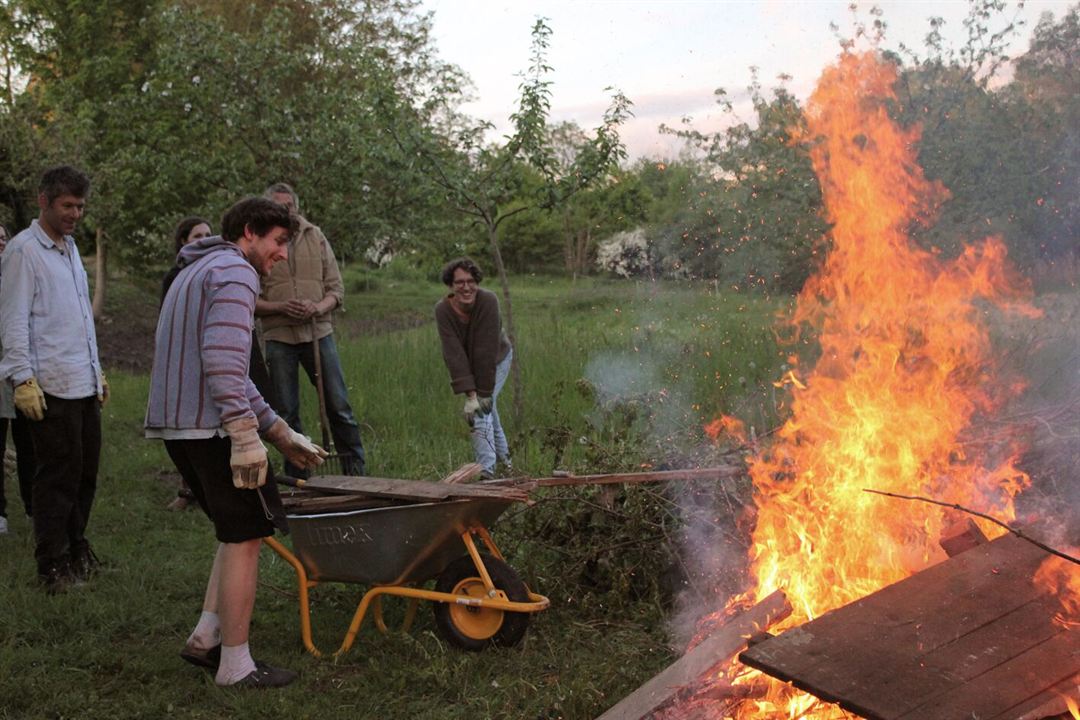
679,354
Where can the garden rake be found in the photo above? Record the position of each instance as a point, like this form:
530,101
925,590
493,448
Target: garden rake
335,463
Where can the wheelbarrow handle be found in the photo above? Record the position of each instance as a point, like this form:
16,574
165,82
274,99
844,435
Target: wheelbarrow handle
290,481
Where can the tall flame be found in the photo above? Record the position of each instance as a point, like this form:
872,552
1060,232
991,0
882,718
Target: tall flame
905,368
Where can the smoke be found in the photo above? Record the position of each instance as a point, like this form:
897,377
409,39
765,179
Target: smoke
1046,417
713,517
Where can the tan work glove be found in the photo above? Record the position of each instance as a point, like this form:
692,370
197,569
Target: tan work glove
297,449
248,458
103,396
30,400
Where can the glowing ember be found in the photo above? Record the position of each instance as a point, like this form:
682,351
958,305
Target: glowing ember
906,366
726,425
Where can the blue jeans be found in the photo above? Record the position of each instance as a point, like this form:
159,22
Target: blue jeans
283,360
488,439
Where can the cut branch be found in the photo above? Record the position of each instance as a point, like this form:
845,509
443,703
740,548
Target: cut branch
984,516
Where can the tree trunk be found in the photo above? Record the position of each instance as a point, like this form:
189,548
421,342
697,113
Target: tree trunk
98,304
508,312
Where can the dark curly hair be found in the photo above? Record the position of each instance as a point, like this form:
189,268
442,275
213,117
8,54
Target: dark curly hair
462,263
260,215
185,227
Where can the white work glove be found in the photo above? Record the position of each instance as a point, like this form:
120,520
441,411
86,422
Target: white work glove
472,407
297,449
248,458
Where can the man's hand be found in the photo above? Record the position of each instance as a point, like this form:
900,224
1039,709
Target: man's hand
299,309
297,449
472,407
103,396
248,457
30,400
486,403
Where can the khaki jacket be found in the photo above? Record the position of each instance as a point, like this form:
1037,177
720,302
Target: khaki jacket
310,273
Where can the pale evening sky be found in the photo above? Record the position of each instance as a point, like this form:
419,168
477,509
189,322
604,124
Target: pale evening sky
668,56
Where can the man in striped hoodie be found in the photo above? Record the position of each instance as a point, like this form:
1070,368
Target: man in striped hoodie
205,407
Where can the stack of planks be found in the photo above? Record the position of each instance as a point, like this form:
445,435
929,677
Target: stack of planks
973,637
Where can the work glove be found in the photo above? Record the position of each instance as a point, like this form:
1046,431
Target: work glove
103,396
248,458
472,406
297,449
486,403
30,400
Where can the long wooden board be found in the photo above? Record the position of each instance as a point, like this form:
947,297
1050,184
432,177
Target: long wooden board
691,667
964,632
399,489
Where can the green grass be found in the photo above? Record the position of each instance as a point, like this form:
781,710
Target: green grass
659,361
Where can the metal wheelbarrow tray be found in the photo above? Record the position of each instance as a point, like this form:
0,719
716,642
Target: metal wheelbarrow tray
395,548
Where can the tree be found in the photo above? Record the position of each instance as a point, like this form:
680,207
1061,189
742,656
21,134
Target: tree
755,221
198,102
481,181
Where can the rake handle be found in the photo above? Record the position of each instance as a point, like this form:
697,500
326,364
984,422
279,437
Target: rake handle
324,420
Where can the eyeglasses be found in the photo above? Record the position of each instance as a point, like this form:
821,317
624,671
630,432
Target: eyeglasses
464,283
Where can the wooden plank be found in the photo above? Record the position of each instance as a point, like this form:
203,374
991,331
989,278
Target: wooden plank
687,670
464,474
399,489
314,504
911,681
960,536
712,473
854,655
1050,704
1008,685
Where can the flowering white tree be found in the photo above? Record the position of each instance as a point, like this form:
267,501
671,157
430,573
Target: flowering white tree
625,253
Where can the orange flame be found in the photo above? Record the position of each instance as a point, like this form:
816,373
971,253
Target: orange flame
905,368
726,425
1060,578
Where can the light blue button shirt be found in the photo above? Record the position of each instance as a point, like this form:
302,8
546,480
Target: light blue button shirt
46,321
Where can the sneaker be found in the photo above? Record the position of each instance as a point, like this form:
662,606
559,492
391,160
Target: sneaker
266,676
84,563
56,578
202,658
3,525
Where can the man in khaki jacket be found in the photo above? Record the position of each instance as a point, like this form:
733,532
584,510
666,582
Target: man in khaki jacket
295,308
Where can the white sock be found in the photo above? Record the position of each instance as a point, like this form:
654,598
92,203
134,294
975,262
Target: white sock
236,664
207,633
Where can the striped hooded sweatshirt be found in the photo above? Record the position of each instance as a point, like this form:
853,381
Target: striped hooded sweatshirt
203,344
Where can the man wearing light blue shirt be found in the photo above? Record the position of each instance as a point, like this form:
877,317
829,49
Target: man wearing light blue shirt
51,359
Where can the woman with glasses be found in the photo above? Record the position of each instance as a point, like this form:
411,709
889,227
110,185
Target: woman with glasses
477,355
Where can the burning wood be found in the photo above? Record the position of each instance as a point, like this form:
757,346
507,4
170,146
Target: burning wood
906,368
686,674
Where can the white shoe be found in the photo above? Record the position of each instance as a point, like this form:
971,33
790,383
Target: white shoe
3,525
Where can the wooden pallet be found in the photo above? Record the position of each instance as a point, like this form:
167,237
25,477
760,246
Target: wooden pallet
971,638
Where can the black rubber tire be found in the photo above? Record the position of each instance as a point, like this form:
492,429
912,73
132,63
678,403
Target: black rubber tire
512,628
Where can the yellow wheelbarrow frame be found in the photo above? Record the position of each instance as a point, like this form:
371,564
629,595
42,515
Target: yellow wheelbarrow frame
490,598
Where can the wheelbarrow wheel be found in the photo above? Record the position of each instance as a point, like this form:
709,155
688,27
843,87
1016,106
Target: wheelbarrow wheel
475,628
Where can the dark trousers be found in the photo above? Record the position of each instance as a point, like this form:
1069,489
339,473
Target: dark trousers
24,459
67,444
284,360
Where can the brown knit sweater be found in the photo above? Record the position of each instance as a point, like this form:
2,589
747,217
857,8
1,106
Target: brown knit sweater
473,347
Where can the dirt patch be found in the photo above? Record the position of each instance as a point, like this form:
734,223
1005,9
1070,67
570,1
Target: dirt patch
126,332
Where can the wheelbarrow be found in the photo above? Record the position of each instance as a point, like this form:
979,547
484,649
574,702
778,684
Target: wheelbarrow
479,600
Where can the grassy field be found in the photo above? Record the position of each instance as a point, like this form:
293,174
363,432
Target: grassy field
617,375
